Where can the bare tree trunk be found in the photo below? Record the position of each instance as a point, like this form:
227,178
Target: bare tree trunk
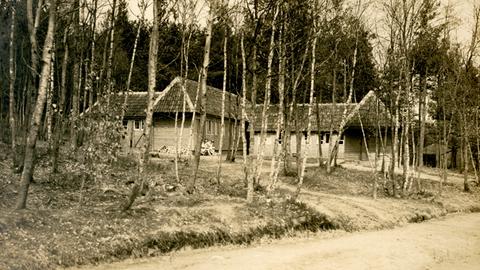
319,128
334,151
298,137
152,71
248,178
288,133
203,102
49,109
414,163
193,123
110,53
466,186
143,7
257,166
101,81
11,95
253,101
222,121
395,128
309,116
292,115
422,112
473,162
92,75
59,119
177,141
331,143
477,138
75,104
29,162
406,154
33,23
279,134
184,72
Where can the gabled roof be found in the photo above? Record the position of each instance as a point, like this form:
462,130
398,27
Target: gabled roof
331,114
171,100
136,103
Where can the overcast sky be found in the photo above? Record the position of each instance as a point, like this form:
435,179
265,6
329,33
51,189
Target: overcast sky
461,10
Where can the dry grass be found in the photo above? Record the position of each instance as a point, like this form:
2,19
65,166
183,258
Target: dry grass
66,225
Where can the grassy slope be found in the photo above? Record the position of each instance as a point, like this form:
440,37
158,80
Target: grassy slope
59,230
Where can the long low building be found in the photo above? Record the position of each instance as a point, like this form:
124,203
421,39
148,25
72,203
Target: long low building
370,113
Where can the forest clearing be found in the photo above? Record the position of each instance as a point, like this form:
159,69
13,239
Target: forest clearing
135,129
75,221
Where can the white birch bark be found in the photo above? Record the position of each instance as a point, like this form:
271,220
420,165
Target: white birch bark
142,5
222,120
29,161
309,122
152,71
279,134
266,104
203,99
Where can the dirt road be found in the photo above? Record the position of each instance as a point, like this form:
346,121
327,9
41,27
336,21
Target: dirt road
449,243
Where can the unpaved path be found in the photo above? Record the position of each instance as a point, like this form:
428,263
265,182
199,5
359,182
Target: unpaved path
429,173
450,243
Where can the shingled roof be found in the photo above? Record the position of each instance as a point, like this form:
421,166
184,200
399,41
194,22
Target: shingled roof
332,114
136,103
171,100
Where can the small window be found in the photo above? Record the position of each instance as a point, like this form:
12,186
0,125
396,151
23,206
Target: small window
125,124
342,139
138,124
327,137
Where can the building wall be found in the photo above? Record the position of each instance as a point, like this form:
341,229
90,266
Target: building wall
349,145
164,135
311,151
133,131
356,149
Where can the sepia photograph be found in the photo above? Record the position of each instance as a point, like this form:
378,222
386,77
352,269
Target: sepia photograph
240,134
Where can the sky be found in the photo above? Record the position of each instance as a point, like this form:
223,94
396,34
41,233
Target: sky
460,32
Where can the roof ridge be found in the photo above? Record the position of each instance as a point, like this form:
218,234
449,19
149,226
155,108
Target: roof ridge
212,87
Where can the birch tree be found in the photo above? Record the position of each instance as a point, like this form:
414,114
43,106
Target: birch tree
60,112
266,104
203,97
222,117
143,6
279,134
309,115
12,77
152,72
29,162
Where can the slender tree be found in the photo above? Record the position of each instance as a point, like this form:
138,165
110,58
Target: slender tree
152,72
222,117
29,162
12,73
203,98
266,104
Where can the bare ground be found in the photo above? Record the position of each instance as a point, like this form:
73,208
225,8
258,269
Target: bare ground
449,243
69,225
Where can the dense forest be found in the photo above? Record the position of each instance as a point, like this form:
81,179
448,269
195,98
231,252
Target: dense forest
60,59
